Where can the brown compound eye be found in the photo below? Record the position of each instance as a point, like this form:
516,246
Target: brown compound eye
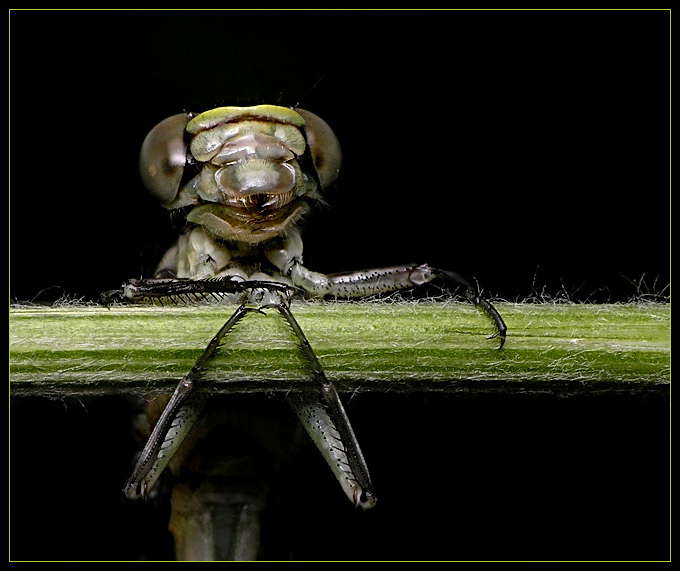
163,158
324,146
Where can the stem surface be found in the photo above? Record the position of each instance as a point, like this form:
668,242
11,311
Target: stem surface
365,346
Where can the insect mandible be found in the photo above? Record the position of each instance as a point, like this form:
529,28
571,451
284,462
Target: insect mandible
241,180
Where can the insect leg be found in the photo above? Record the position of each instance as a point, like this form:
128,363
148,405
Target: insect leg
179,415
171,289
382,280
475,297
325,420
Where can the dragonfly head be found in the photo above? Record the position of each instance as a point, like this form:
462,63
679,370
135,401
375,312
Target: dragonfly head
246,174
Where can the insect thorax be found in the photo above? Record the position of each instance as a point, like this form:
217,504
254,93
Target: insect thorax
199,255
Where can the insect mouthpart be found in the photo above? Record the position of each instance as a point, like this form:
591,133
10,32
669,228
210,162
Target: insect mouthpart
259,201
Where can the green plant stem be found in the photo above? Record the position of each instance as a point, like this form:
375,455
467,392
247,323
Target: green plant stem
367,346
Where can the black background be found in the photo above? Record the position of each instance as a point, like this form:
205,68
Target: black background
528,150
519,148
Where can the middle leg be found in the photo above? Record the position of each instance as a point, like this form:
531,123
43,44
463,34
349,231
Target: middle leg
176,420
324,418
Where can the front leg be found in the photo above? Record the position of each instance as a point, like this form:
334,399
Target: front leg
162,290
382,280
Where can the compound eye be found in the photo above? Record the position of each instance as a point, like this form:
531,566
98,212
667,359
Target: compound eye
163,157
324,146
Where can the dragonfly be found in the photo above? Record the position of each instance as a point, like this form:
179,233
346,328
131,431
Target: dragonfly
239,182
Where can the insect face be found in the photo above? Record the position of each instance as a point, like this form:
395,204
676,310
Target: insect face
256,170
